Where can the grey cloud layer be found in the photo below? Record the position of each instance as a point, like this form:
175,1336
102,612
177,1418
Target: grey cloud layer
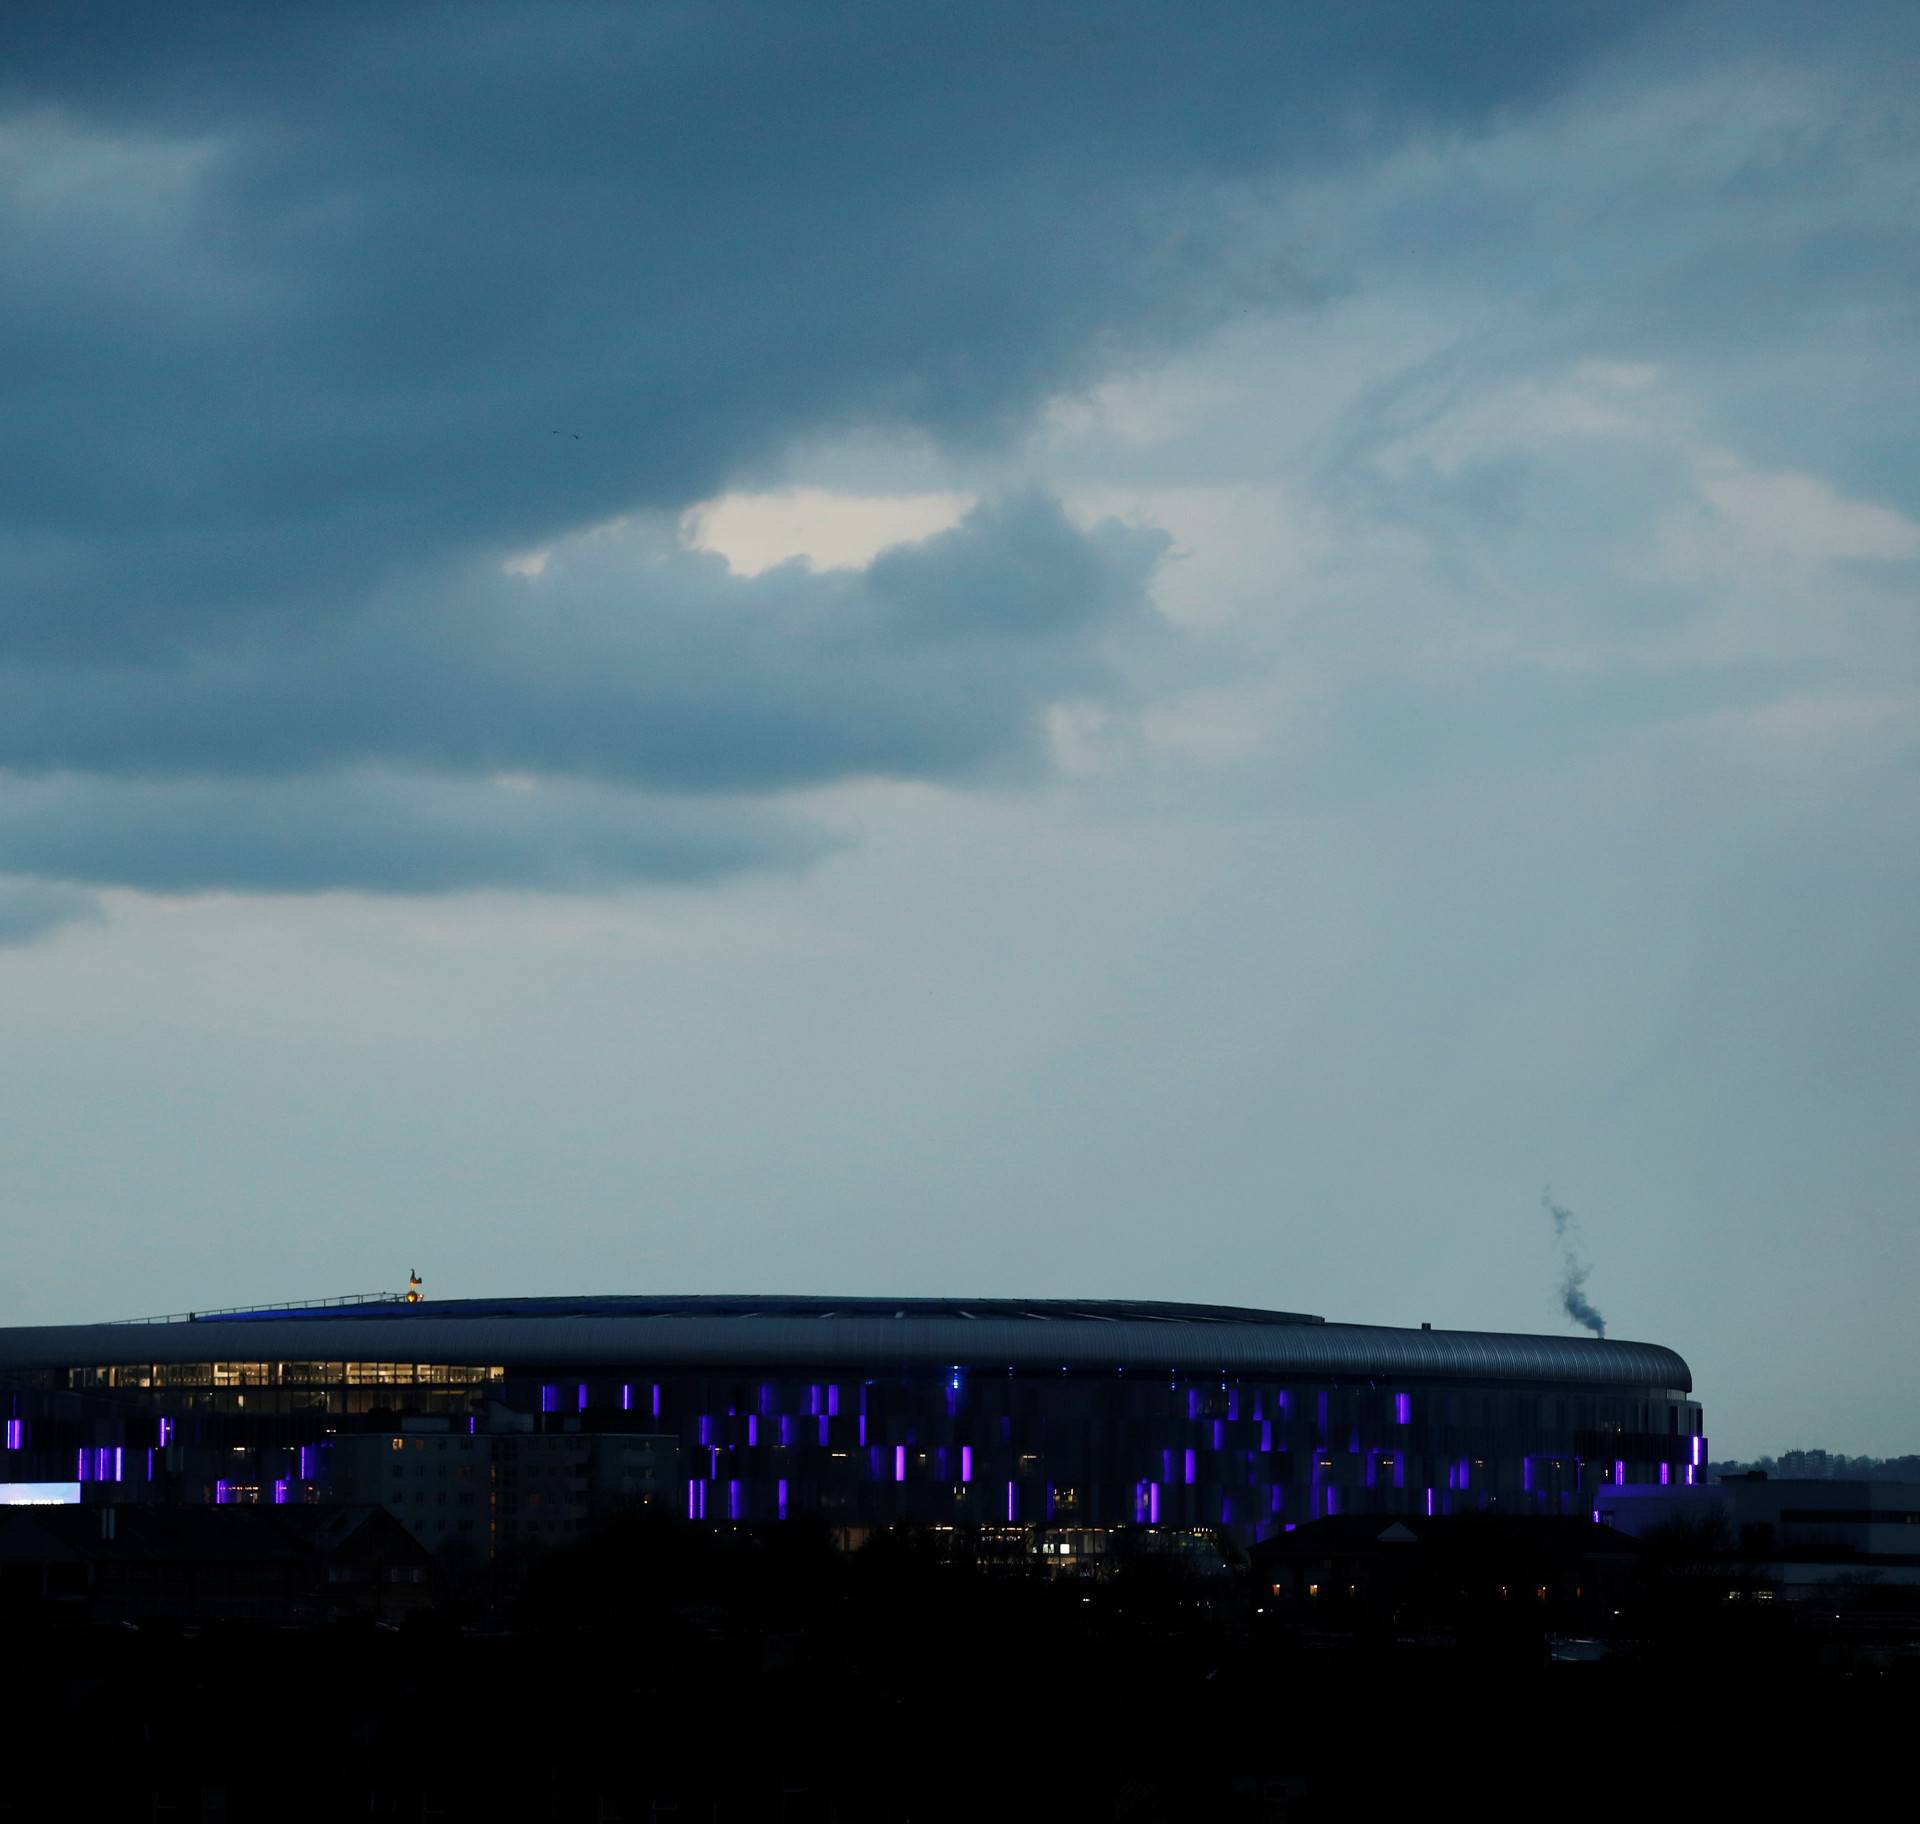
312,315
631,659
367,830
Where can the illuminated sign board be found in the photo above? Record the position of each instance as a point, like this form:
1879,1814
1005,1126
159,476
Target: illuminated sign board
39,1494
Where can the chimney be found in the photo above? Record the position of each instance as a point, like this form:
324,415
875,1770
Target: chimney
1426,1326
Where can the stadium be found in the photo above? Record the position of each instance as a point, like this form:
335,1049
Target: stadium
1057,1425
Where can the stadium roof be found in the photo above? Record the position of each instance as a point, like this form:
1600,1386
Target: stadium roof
856,1335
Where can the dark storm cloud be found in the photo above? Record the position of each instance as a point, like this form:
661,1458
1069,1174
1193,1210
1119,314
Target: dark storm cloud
631,659
311,314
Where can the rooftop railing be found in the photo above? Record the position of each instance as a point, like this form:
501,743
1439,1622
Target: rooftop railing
295,1304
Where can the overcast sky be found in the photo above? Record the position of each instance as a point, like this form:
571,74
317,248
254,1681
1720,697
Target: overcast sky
1172,651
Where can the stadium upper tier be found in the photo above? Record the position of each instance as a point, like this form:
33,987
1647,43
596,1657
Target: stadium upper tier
1075,1336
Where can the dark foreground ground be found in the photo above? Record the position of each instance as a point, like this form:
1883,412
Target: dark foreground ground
905,1691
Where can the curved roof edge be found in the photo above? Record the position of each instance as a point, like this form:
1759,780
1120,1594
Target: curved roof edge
867,1343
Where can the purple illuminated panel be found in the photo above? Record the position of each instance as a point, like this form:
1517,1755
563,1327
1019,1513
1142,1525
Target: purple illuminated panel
705,1427
899,1462
1219,1435
14,1433
786,1429
1429,1504
549,1399
581,1404
1619,1472
221,1494
733,1500
780,1496
626,1396
1699,1448
1013,1503
1403,1409
1665,1474
1266,1434
280,1491
1526,1474
823,1430
966,1462
753,1429
656,1399
833,1401
303,1463
863,1428
1187,1469
1153,1503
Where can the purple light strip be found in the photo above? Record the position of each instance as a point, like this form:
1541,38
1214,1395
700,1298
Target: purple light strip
1188,1469
1403,1409
1619,1472
1429,1504
1013,1504
582,1405
780,1496
13,1433
899,1462
656,1399
626,1396
966,1462
1153,1502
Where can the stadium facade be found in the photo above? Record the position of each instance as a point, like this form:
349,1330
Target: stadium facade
1054,1423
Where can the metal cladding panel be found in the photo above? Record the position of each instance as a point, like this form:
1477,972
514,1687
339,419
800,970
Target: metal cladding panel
871,1344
